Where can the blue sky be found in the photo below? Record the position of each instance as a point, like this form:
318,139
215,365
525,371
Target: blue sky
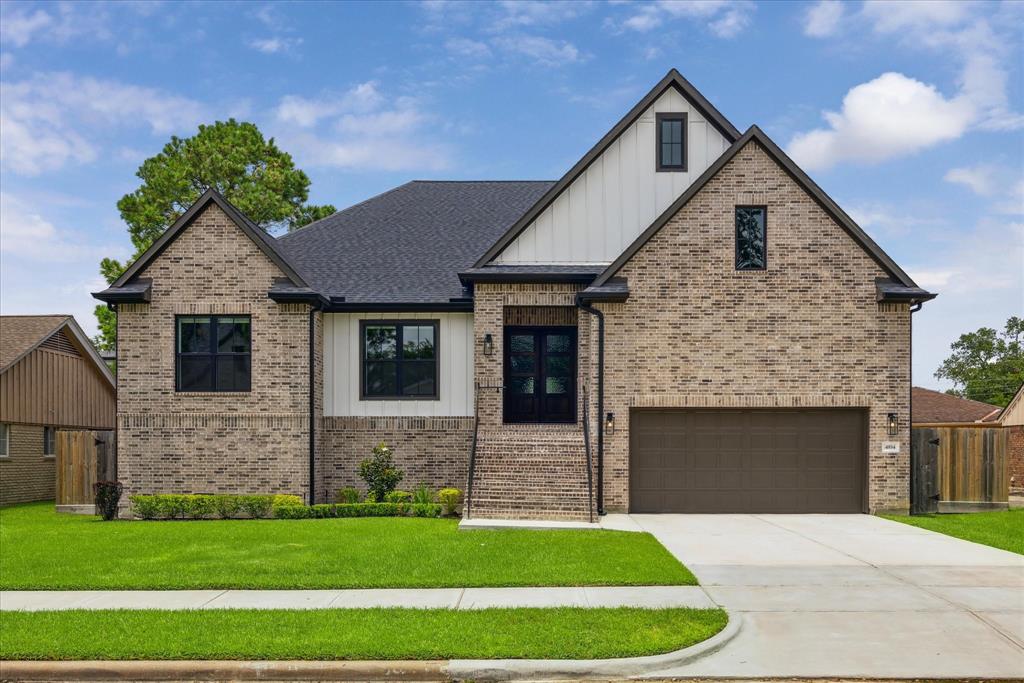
908,114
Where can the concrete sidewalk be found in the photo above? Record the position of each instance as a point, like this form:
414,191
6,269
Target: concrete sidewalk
422,598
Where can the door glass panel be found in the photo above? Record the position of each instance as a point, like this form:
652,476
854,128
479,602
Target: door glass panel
521,363
522,385
557,343
556,385
557,366
521,343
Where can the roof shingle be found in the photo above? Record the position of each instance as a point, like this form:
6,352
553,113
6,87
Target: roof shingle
935,407
21,333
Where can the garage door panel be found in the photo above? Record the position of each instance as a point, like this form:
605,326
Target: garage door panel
757,460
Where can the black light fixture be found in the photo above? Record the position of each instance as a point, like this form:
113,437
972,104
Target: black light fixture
894,424
609,423
488,344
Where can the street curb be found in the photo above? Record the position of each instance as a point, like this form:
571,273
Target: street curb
581,669
224,671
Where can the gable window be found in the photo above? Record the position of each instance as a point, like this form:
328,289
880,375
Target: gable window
751,237
213,353
671,152
5,440
49,441
398,360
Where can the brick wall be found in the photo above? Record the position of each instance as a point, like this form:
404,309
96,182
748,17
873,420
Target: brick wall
26,474
1015,457
430,450
256,441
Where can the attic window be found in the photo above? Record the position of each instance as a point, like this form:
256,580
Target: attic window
751,237
671,150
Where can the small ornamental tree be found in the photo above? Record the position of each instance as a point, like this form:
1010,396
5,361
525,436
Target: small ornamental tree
379,473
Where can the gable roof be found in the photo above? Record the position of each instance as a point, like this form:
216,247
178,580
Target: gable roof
265,242
20,335
797,174
409,244
673,79
1013,413
936,407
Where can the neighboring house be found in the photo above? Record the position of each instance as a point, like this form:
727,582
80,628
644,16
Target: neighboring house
935,407
51,378
1012,419
740,343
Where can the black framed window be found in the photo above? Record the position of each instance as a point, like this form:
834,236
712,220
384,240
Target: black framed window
213,353
399,359
49,441
671,151
751,237
5,440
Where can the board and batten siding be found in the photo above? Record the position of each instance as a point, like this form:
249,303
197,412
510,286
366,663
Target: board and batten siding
619,195
341,368
58,389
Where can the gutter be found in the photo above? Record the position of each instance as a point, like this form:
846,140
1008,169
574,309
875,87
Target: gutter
600,398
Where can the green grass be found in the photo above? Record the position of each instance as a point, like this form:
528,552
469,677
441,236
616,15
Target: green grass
570,633
44,550
1003,529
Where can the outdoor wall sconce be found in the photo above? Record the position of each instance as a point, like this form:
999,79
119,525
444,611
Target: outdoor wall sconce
609,424
488,344
894,424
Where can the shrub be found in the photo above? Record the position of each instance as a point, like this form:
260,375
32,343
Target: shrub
173,506
256,507
349,494
199,506
287,499
108,495
397,496
379,472
425,510
226,506
423,495
146,507
450,499
292,512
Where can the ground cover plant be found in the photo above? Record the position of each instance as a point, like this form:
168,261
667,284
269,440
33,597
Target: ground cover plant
1001,529
556,633
393,552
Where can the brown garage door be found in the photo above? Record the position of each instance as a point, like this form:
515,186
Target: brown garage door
747,461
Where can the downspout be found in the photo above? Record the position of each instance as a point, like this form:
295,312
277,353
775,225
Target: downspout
600,399
313,308
910,392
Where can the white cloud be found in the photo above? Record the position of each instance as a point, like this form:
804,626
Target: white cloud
890,16
19,26
543,51
823,18
306,112
52,119
520,13
888,117
269,46
980,179
25,233
724,18
466,47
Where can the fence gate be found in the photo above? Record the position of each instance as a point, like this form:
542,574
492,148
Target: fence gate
924,471
83,458
958,469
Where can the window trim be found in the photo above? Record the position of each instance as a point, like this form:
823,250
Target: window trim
736,241
670,116
52,453
411,322
5,429
214,317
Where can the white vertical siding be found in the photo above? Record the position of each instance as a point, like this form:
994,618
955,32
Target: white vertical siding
341,367
601,212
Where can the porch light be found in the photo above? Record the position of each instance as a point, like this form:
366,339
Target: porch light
609,424
894,424
488,344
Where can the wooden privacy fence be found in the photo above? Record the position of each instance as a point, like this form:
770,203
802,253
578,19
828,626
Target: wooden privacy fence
83,458
958,468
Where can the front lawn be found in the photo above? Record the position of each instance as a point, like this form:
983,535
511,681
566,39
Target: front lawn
563,633
1003,529
44,550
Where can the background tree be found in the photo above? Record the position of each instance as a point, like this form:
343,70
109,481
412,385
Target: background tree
233,158
987,365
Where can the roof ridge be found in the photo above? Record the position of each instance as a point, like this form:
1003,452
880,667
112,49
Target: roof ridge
438,180
36,315
959,398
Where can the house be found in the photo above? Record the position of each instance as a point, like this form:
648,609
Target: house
51,378
930,407
1012,420
684,322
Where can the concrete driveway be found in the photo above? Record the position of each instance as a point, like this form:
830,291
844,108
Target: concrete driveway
851,596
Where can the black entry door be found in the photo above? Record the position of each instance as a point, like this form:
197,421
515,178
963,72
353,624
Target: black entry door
540,374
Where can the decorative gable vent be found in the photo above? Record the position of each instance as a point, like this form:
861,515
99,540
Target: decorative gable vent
58,341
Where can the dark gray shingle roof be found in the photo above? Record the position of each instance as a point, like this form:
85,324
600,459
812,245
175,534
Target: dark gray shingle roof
409,244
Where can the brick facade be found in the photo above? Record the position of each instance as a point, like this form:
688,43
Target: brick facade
175,442
1015,457
26,474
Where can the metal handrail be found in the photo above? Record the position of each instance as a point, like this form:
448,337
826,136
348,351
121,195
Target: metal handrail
472,450
586,448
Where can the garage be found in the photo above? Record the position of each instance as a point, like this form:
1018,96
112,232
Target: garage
747,461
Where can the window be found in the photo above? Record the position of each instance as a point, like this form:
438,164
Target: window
751,245
671,153
213,353
5,440
49,441
399,359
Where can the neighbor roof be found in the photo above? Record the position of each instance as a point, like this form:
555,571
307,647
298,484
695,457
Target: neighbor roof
408,245
935,407
21,334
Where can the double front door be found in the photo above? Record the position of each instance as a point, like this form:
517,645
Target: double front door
540,374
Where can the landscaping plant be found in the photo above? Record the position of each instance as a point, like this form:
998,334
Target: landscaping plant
379,473
349,494
450,499
423,495
108,495
397,496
